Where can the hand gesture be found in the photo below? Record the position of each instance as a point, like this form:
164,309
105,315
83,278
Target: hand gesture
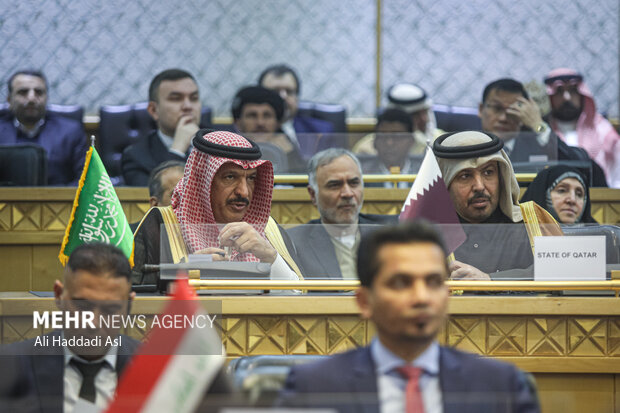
462,271
527,111
183,134
244,238
217,254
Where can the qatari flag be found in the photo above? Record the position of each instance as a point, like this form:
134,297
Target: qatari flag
429,199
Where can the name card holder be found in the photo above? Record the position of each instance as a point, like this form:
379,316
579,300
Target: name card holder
578,258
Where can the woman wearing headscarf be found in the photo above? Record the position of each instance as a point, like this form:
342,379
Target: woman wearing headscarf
563,192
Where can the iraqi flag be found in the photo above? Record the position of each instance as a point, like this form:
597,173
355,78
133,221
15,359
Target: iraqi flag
429,199
173,369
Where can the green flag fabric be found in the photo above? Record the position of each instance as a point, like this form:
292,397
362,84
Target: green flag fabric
97,214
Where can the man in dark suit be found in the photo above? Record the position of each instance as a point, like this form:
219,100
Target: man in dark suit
507,111
28,122
57,373
174,104
327,246
402,271
309,134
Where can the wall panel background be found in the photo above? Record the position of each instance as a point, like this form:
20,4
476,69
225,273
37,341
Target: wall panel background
107,52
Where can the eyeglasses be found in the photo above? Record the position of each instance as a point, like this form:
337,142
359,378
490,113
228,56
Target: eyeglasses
496,108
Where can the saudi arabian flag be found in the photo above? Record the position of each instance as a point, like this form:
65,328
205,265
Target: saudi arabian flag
97,215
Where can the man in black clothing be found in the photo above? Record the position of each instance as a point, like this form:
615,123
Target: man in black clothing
484,190
58,373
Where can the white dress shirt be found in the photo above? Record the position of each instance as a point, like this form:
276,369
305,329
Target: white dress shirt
391,385
167,141
105,381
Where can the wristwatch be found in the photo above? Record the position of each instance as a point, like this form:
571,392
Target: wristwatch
541,127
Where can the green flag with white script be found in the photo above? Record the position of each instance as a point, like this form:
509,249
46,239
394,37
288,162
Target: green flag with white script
97,215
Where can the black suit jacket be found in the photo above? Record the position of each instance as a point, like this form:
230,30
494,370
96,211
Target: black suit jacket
347,382
63,140
142,157
315,135
315,251
41,371
33,381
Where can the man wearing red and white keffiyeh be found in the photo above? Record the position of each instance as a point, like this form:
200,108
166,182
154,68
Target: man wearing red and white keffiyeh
574,119
223,201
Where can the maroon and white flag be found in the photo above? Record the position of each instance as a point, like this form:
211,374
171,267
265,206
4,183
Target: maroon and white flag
429,199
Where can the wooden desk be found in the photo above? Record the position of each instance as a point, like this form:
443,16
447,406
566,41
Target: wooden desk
33,220
572,345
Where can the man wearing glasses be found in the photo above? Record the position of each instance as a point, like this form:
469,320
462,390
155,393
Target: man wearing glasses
508,112
505,111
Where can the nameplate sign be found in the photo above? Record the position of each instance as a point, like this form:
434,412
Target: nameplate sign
578,258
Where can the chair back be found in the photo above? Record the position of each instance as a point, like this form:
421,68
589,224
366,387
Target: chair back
456,118
262,377
23,165
333,113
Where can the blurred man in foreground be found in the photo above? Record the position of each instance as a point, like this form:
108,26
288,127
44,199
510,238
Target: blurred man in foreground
403,271
97,279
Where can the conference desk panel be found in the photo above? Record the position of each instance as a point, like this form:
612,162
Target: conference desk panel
570,344
33,220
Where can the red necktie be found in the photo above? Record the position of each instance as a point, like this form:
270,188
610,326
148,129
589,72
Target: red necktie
413,396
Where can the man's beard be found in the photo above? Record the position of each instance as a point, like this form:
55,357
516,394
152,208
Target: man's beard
566,112
29,114
332,216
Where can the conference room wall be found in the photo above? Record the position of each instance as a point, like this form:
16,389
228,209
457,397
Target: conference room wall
98,53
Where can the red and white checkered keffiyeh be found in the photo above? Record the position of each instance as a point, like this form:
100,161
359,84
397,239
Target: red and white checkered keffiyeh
191,199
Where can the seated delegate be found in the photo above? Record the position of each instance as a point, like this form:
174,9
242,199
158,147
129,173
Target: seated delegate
563,191
220,208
